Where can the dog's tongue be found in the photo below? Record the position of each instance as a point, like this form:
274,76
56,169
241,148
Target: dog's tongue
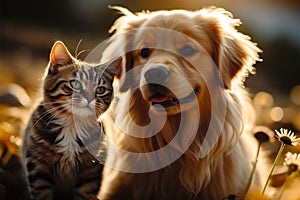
159,98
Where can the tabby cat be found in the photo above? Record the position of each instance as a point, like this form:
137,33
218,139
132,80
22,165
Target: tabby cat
63,136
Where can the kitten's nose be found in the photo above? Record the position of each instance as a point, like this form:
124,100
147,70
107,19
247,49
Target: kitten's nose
89,96
92,104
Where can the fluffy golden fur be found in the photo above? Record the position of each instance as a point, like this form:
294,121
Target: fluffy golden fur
206,61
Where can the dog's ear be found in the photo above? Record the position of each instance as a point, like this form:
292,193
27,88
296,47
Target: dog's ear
116,51
120,44
234,53
127,80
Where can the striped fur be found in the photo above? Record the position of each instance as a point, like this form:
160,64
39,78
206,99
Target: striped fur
63,136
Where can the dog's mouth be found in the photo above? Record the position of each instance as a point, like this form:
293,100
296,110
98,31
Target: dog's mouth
167,101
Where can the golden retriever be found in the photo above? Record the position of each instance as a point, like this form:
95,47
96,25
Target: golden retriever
178,127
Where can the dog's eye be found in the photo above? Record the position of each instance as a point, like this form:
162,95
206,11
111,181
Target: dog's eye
187,51
145,52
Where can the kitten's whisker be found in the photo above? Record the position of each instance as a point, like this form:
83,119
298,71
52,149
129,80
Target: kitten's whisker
82,51
55,114
52,103
77,54
51,112
77,47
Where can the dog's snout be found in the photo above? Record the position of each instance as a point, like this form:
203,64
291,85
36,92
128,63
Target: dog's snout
156,74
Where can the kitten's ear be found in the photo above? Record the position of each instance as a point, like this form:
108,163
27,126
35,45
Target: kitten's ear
114,67
59,55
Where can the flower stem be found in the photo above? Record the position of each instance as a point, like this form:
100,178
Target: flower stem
288,181
253,169
273,166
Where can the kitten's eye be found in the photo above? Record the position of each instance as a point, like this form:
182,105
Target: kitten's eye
75,85
187,51
100,90
145,52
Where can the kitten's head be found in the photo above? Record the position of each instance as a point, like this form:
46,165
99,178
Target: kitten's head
73,87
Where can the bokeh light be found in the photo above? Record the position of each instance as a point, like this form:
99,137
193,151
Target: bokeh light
263,99
295,95
276,113
296,120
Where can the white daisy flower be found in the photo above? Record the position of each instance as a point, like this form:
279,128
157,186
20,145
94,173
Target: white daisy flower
287,137
292,159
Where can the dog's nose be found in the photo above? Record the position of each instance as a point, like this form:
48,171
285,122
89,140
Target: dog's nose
156,74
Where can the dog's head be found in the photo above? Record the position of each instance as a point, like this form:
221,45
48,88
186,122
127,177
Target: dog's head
171,56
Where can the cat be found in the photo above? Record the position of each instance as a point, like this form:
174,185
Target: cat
63,136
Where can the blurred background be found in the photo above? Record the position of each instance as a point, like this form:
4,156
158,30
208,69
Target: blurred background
29,28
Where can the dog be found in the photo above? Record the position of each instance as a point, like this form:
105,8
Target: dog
179,126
